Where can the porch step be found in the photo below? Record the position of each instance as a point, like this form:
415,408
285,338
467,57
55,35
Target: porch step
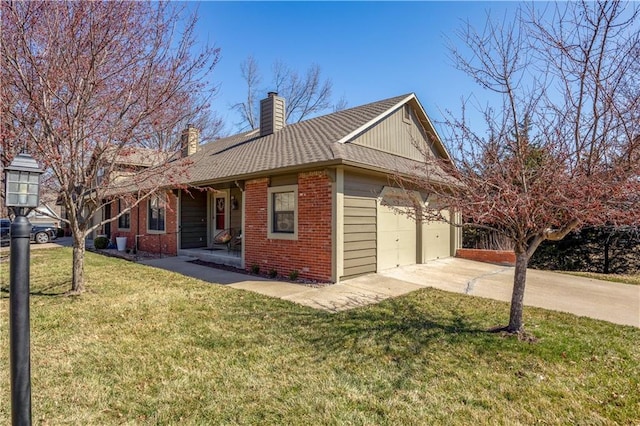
222,257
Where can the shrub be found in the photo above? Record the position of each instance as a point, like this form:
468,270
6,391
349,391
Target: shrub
293,275
255,269
60,232
101,243
273,273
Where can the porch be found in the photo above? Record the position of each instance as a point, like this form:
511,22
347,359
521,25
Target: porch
220,255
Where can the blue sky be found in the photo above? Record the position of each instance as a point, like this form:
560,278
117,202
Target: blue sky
370,50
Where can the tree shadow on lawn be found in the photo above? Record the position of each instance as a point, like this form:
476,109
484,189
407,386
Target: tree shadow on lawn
403,326
59,288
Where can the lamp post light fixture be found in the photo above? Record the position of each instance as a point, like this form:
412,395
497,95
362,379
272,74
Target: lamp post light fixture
22,178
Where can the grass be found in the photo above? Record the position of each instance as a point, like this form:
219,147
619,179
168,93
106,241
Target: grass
616,278
145,346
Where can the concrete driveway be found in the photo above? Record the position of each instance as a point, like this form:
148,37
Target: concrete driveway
613,302
617,303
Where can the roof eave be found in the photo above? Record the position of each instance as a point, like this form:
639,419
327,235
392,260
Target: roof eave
269,172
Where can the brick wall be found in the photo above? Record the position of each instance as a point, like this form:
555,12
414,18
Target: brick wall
501,257
310,254
165,243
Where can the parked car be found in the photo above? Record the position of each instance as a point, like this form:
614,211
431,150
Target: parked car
40,234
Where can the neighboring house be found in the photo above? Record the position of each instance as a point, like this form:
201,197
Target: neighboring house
46,214
118,164
316,197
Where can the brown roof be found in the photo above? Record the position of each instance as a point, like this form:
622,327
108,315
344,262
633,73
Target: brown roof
135,156
316,141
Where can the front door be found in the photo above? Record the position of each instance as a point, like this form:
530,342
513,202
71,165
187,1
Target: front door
220,212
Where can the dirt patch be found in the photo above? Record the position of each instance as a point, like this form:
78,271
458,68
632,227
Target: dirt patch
129,254
301,281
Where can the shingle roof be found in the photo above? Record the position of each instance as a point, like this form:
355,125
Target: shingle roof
135,156
313,141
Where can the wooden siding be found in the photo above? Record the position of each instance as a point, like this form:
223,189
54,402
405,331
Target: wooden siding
360,224
235,215
397,135
359,235
362,185
193,219
282,180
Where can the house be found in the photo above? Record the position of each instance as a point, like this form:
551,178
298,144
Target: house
117,164
316,197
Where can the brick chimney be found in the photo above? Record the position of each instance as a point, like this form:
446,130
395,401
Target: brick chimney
189,140
272,114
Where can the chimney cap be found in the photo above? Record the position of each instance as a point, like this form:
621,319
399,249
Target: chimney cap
272,93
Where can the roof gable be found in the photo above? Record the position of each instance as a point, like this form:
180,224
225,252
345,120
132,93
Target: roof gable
418,116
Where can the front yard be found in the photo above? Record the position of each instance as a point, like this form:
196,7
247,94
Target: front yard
145,346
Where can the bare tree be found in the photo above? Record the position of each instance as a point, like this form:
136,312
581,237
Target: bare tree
207,121
561,150
248,108
305,95
87,82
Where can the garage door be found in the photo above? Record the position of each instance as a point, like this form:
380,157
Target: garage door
397,243
436,240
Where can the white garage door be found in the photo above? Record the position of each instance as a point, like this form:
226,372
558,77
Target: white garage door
397,243
436,240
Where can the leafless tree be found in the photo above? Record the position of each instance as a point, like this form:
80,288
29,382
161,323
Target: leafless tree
305,95
561,150
248,108
207,121
84,83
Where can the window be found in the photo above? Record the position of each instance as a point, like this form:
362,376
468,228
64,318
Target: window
156,213
283,212
124,221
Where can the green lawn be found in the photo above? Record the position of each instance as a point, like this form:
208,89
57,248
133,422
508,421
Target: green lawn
616,278
145,346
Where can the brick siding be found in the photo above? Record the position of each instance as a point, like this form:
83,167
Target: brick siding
165,243
501,257
310,254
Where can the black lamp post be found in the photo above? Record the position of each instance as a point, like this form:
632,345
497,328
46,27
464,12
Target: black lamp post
22,178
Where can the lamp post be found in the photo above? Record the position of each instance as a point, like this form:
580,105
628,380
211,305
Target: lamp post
22,178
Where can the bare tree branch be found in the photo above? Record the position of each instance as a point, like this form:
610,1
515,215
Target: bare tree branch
305,95
87,83
559,152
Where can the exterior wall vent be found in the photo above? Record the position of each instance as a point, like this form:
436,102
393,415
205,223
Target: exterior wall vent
272,114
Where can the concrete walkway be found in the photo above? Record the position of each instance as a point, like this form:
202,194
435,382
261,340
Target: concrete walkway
616,303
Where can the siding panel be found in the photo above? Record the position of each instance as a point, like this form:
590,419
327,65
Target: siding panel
359,220
361,261
358,211
355,246
365,252
398,135
359,228
355,229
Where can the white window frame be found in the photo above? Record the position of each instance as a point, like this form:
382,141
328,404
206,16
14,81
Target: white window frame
163,197
282,235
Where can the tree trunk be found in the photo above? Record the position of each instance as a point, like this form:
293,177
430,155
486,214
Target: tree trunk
517,297
77,280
